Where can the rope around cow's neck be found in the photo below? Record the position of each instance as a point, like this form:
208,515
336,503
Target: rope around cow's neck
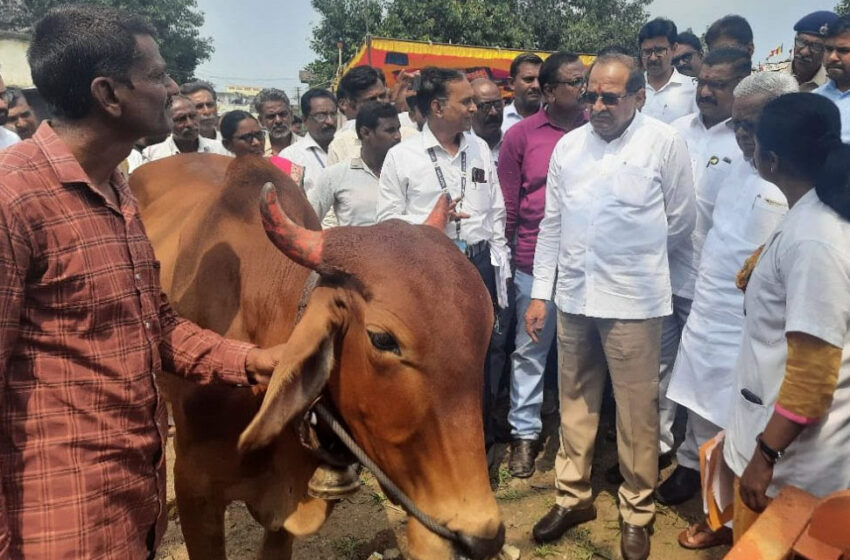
393,492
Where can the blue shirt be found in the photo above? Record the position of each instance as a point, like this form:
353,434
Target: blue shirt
842,100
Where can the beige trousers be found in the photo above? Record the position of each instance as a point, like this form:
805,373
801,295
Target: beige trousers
630,349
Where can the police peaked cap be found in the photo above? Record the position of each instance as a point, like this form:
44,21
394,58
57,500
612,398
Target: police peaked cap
816,23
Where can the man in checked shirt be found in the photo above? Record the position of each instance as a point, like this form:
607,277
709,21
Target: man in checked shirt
84,326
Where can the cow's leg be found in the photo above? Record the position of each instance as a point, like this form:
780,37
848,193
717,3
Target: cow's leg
277,545
201,519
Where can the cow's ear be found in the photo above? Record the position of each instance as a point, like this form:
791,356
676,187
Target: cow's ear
301,375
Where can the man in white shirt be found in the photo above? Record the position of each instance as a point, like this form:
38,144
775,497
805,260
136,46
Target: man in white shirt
7,137
713,150
318,106
525,70
748,209
669,94
185,134
359,85
618,194
487,123
351,187
205,99
447,159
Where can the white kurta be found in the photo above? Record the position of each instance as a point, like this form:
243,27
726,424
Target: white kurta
747,211
713,152
801,284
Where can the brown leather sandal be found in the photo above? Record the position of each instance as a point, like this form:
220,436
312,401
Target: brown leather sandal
699,536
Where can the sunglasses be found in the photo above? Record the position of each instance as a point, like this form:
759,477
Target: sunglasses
259,136
683,58
608,99
487,106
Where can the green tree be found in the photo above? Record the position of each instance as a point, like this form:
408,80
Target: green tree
343,21
578,25
843,8
177,22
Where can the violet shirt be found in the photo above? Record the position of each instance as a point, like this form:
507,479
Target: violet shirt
523,168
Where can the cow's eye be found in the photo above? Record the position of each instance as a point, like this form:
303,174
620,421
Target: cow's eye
384,341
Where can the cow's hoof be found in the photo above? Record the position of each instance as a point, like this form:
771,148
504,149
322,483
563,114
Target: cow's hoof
333,483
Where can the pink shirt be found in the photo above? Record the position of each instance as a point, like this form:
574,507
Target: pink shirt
523,167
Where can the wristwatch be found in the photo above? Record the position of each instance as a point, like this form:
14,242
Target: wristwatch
770,454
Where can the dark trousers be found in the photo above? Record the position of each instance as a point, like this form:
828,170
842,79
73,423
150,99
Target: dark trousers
488,275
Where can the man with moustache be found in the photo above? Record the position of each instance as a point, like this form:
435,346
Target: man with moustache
204,97
807,65
351,187
185,134
275,115
836,60
747,211
318,106
713,151
487,122
523,168
525,70
688,55
7,137
669,94
21,116
446,159
618,195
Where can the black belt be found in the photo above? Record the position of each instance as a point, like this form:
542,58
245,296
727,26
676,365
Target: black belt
476,249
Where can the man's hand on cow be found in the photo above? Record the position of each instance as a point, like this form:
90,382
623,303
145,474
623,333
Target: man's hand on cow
454,215
535,318
260,363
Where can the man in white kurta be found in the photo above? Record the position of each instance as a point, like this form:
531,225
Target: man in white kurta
746,212
713,150
618,194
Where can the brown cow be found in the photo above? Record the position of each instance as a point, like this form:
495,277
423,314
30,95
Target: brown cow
395,334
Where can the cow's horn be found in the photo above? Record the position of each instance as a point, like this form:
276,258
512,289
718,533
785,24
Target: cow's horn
302,245
439,214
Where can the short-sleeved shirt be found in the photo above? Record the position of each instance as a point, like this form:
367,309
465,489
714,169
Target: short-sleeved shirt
800,284
84,332
350,188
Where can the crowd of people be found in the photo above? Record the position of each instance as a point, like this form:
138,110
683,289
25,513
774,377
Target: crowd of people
674,221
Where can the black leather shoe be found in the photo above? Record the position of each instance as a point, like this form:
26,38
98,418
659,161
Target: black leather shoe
679,486
614,476
634,542
523,454
555,523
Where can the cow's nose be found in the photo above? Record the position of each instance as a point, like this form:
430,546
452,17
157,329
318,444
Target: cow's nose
479,548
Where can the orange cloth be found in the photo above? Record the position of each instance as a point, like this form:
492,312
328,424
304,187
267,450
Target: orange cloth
811,374
743,276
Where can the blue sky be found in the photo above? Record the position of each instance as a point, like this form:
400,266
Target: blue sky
265,42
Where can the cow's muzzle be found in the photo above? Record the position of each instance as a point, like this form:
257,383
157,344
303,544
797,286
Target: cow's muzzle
478,548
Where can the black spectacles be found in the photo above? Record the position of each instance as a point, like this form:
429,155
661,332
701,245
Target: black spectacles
716,85
259,136
657,51
683,58
609,99
815,48
737,124
576,82
487,106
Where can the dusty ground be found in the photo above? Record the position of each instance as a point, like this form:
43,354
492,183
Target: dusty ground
368,523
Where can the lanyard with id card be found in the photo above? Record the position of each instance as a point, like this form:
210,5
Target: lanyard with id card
461,244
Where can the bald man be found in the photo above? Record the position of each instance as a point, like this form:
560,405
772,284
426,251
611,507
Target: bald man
487,122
